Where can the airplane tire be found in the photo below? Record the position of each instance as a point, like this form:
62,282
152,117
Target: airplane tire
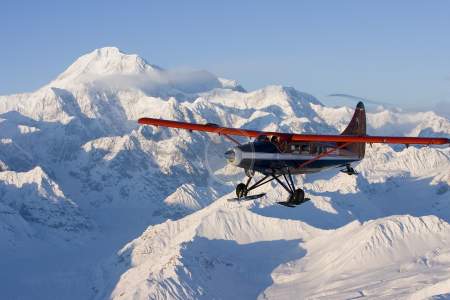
298,197
241,190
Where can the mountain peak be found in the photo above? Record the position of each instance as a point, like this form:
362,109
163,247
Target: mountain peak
108,51
104,62
108,66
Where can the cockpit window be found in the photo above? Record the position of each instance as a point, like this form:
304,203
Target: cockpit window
262,138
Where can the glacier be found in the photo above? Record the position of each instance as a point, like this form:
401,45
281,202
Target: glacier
94,206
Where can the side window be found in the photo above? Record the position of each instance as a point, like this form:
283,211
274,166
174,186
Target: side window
304,149
322,149
295,148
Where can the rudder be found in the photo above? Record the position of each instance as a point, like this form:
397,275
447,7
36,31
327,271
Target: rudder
357,126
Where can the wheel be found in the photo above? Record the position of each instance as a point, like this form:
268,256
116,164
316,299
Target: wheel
297,197
241,190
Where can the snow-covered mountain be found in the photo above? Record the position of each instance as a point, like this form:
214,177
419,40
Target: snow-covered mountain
113,209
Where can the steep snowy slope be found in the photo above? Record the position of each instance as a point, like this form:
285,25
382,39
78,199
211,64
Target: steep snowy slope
38,223
79,179
33,198
390,258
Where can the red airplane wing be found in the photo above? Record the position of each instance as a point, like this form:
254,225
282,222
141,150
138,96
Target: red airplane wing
295,137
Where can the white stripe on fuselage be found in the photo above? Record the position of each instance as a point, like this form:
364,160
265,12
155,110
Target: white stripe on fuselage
288,156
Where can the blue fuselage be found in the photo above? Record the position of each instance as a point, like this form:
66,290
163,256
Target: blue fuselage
268,158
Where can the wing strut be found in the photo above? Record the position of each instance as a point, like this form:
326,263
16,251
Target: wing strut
231,139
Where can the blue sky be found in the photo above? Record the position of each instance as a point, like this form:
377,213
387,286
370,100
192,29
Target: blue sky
390,51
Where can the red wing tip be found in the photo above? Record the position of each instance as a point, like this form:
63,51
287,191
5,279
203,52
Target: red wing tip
444,141
142,120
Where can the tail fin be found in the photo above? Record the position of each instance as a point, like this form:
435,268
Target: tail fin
357,126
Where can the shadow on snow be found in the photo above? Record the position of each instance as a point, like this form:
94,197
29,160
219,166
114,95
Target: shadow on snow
224,269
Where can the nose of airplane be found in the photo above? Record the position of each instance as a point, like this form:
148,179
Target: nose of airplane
230,155
234,156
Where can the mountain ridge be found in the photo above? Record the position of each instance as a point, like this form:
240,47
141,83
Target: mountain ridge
122,181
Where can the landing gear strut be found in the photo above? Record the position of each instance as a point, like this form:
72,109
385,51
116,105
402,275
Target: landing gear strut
296,196
242,189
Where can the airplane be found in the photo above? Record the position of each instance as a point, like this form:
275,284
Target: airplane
279,156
